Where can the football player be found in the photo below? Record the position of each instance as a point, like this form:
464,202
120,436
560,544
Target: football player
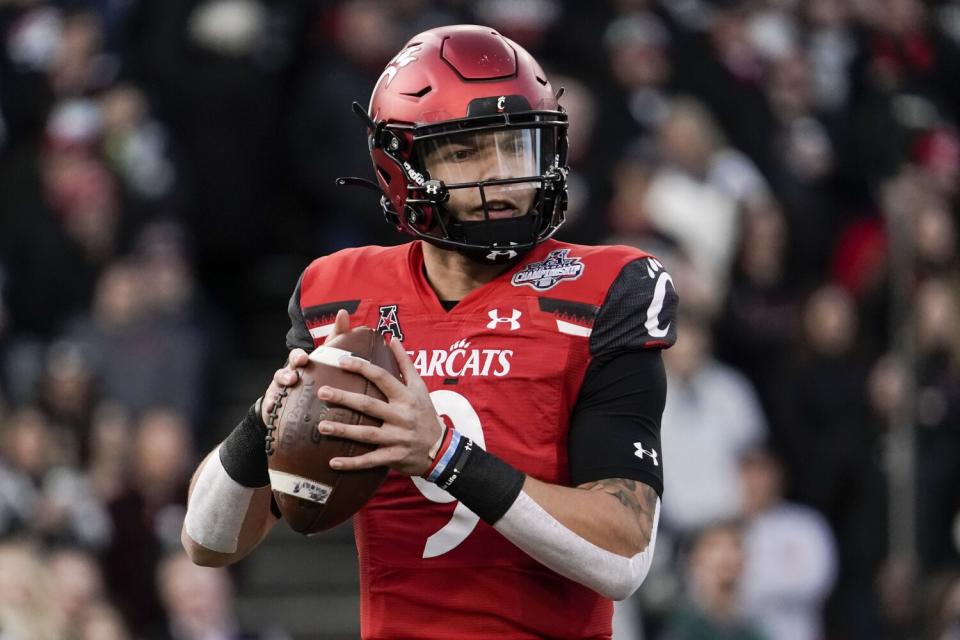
524,437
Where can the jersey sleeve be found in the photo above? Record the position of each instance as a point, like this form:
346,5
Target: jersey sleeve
639,311
615,427
298,335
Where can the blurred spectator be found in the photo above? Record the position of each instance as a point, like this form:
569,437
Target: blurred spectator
84,195
804,140
103,622
905,51
67,392
820,409
714,572
935,235
790,560
711,416
31,35
587,177
694,197
40,494
109,447
809,162
198,602
215,69
178,307
362,37
147,350
723,68
135,144
759,323
832,47
28,608
937,414
936,156
943,622
637,46
631,176
77,584
80,65
59,217
148,515
938,420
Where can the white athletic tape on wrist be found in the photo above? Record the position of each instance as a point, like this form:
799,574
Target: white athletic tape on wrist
542,537
330,355
217,507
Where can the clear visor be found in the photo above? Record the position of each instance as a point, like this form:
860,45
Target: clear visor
481,156
462,160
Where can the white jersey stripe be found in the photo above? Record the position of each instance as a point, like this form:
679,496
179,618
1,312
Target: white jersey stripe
322,331
573,329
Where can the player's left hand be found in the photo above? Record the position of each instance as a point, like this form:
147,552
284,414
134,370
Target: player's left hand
410,423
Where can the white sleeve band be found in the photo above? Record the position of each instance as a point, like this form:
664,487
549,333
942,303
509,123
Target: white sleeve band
217,508
527,525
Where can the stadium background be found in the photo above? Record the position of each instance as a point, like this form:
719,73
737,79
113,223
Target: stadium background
167,169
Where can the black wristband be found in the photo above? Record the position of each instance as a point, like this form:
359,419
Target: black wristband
487,485
242,453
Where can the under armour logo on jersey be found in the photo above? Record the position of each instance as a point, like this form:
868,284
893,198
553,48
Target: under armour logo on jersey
389,322
640,452
495,319
493,255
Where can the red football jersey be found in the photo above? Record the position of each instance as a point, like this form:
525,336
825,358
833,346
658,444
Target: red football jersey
504,367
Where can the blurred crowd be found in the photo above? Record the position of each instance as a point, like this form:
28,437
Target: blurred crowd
795,163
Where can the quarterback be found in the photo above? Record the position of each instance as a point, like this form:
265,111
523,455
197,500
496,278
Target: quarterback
524,437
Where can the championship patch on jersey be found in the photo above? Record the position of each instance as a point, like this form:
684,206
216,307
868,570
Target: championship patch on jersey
389,322
551,271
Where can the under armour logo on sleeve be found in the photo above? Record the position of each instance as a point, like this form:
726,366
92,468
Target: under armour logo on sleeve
640,452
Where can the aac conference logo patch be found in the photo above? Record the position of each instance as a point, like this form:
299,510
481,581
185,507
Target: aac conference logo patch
547,274
390,322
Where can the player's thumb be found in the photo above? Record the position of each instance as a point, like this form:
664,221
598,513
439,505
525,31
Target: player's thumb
341,324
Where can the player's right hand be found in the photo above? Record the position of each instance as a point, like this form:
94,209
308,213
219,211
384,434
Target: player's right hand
289,375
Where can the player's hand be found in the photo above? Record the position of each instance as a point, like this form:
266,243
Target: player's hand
410,424
289,375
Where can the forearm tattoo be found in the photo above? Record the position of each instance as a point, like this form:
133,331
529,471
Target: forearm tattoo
640,498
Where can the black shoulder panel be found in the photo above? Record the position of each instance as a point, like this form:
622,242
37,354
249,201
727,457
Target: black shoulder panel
298,335
639,311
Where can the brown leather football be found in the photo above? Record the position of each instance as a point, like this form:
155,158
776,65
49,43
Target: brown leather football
313,497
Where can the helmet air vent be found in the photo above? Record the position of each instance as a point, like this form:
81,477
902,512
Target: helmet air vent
419,94
474,55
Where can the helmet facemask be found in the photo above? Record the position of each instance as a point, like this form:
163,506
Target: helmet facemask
490,190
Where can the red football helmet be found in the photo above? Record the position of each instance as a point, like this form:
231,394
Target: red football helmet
469,144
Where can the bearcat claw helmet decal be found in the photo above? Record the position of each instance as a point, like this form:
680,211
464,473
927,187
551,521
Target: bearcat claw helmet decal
469,144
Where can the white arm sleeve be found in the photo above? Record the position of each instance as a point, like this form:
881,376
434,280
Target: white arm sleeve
542,537
217,508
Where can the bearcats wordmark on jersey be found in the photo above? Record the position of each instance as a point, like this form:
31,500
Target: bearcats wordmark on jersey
504,367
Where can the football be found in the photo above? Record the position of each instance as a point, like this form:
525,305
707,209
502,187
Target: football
313,497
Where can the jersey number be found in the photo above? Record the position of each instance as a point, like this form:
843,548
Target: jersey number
466,421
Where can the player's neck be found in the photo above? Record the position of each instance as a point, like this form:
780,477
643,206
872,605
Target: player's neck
453,275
